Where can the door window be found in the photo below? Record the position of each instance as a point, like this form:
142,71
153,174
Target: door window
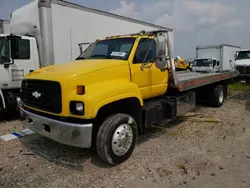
20,49
146,51
4,50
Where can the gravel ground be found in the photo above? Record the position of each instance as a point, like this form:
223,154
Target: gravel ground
183,154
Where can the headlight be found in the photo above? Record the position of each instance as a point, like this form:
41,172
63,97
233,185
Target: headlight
79,107
76,107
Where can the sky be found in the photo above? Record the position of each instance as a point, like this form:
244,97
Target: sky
195,22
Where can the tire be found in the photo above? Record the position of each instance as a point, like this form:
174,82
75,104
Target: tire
218,96
1,112
108,142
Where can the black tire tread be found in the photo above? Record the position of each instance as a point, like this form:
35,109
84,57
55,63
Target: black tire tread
1,111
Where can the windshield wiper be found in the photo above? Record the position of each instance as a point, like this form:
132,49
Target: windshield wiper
80,58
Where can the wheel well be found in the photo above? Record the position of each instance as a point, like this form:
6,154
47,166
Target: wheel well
130,106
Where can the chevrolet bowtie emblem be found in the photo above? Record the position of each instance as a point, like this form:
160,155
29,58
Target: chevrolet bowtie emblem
36,94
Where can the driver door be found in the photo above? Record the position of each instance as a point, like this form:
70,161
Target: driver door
5,74
151,80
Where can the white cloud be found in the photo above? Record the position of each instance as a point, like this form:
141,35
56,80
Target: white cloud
235,24
182,15
202,21
126,9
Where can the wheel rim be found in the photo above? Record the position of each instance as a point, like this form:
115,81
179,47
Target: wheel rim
221,97
122,139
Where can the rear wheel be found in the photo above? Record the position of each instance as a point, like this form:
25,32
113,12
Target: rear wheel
116,138
218,96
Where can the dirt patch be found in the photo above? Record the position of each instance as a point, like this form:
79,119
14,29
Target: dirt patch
180,154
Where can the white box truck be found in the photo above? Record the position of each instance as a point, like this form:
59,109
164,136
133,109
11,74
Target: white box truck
4,26
215,58
47,32
243,63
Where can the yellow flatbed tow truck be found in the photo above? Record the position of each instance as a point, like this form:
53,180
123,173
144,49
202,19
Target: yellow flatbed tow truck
114,91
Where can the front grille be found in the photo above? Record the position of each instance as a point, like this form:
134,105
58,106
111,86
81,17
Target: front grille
241,69
247,70
43,95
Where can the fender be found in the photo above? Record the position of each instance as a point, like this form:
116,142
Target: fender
2,99
103,93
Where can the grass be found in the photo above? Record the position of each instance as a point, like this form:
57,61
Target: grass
238,87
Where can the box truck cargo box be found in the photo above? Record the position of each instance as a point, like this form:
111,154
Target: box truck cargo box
215,58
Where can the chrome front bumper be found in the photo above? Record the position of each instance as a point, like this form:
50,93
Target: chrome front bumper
78,135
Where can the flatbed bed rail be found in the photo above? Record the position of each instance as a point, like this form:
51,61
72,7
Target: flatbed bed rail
190,80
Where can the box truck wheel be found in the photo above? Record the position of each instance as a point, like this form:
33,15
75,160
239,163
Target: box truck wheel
218,96
116,138
1,112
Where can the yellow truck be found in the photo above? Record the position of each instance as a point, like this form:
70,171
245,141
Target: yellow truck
114,91
181,65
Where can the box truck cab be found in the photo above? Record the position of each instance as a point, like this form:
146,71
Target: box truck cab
47,32
18,57
243,63
207,64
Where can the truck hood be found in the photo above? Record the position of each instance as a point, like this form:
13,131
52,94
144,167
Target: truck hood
242,62
71,70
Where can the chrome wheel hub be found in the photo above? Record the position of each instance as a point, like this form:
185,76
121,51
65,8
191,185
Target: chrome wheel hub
221,97
122,139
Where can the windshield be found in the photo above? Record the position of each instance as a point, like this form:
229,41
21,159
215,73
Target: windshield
4,50
202,62
243,55
118,48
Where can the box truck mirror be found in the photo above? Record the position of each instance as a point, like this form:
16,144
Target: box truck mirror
6,65
218,63
235,56
214,63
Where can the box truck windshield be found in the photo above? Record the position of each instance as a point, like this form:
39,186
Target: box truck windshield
202,62
118,48
243,55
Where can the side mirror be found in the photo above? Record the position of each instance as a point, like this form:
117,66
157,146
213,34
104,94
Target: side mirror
6,65
235,56
214,63
218,63
161,47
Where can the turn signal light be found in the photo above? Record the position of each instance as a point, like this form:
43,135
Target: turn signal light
80,90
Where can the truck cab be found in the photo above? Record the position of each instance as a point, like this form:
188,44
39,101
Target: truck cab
243,63
208,64
18,57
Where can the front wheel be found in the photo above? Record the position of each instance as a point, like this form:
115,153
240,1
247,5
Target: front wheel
116,138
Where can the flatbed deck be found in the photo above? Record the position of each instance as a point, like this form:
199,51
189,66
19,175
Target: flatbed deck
187,80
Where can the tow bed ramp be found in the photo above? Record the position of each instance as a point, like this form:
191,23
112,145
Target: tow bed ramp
189,80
